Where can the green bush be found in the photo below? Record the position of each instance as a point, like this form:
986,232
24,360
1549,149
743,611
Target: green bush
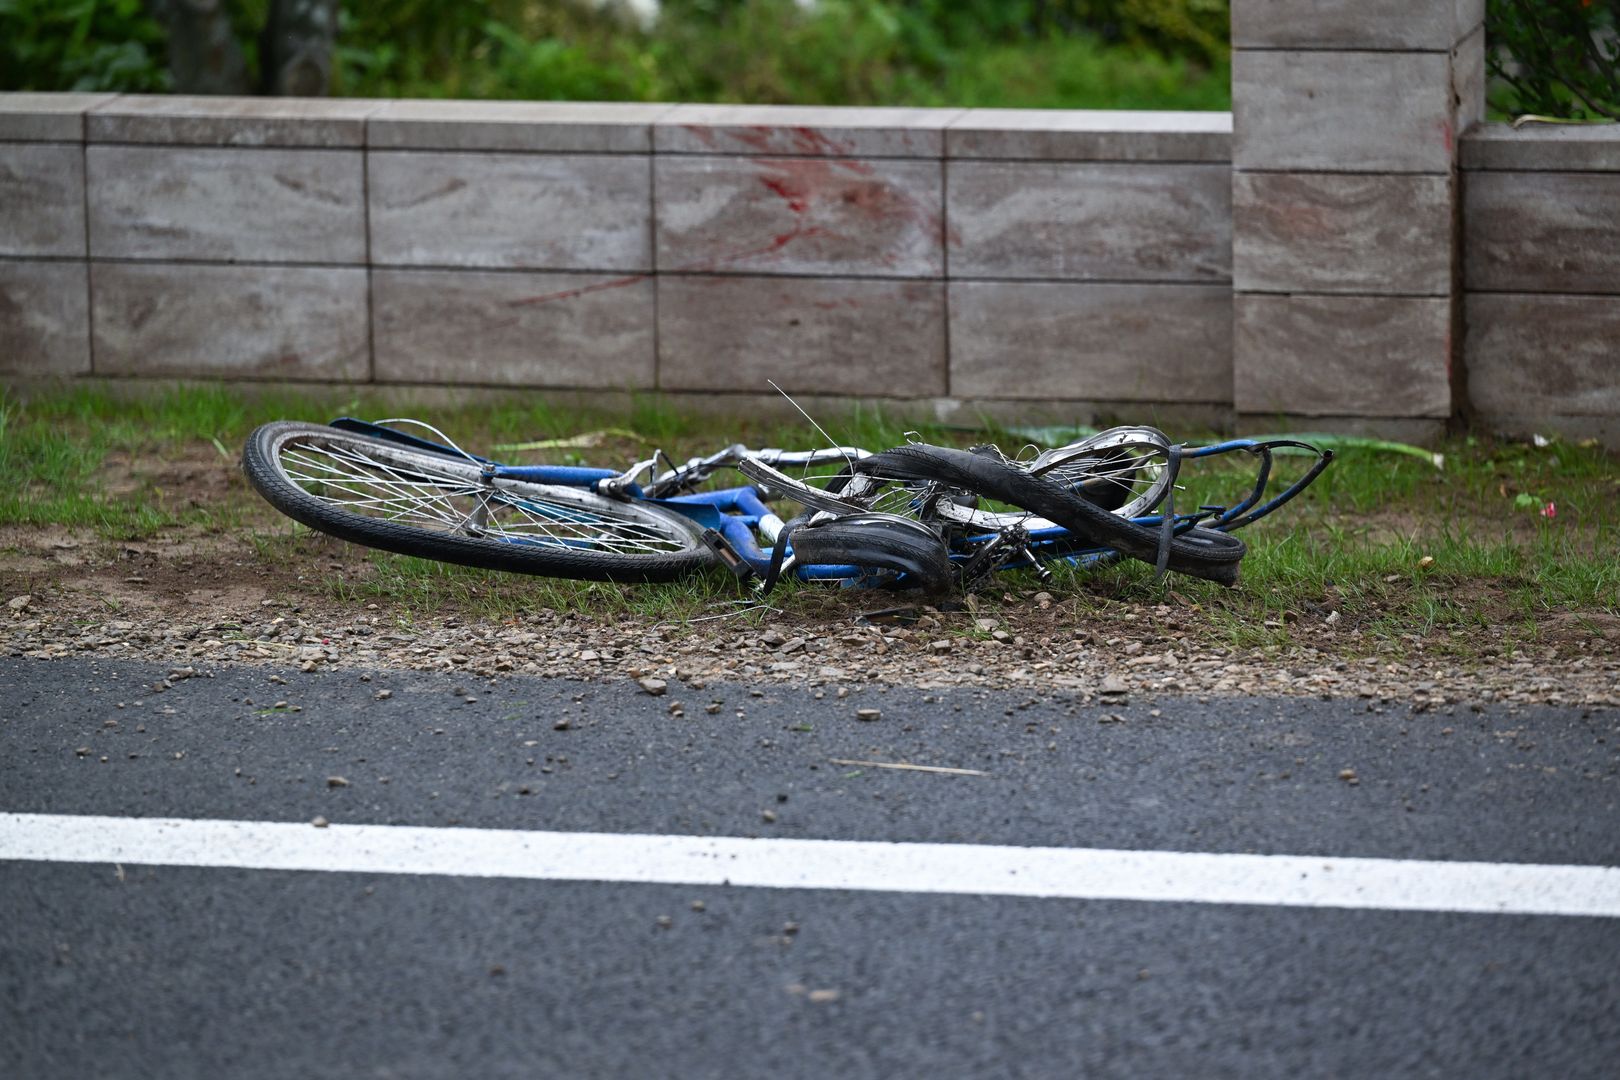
80,45
1031,53
1068,53
1558,58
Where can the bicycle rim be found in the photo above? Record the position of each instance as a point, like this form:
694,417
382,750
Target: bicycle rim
1125,470
438,506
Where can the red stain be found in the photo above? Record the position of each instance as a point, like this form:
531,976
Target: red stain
795,198
703,134
1445,132
843,189
810,141
755,138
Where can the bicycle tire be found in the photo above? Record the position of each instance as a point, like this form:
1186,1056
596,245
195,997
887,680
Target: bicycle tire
878,542
1124,470
571,532
1200,553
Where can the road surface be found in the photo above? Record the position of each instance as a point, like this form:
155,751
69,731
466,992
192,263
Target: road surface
983,923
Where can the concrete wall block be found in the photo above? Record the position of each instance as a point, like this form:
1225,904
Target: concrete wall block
1089,221
800,216
1544,355
511,211
152,202
1536,147
234,322
1342,355
812,335
1542,231
44,318
1343,111
1365,24
42,199
1091,135
1333,232
38,117
803,131
1468,81
553,127
1048,341
168,119
513,329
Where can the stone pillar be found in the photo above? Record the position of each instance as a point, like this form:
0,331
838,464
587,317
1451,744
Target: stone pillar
1345,222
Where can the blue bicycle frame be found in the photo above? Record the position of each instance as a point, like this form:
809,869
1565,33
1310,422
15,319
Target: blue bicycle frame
737,514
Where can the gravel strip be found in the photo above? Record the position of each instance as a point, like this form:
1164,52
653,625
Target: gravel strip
1139,653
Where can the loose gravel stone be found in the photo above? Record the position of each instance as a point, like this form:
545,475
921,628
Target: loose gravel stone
1132,649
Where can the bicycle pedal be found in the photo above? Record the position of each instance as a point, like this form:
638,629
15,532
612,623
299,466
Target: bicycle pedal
727,554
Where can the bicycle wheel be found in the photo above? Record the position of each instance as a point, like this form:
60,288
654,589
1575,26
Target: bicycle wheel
1199,552
878,542
1125,470
438,506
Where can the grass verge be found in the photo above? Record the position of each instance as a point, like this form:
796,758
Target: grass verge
1509,543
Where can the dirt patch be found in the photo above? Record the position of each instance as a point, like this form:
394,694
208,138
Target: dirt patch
196,472
196,595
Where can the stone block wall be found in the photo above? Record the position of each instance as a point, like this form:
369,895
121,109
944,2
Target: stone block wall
1346,120
1349,248
44,276
951,256
1541,212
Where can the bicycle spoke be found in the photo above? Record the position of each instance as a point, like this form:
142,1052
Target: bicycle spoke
419,498
363,482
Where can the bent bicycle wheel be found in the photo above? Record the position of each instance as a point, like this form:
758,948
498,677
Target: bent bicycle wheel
1124,470
1199,552
438,506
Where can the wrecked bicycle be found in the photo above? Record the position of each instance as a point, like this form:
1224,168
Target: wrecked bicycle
916,516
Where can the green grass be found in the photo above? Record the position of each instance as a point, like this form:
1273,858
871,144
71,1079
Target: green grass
1463,555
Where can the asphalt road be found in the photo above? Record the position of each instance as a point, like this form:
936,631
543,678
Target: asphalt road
173,972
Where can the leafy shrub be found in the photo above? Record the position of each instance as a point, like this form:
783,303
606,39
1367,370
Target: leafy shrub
80,45
1556,58
1037,53
1194,30
1033,53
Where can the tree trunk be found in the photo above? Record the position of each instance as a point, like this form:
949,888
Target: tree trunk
204,57
295,50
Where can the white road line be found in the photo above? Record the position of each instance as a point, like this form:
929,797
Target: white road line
1073,873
